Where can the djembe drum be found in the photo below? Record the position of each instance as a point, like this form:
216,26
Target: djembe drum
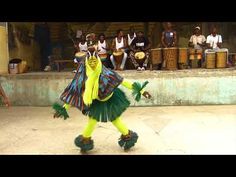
103,56
170,56
79,56
195,56
199,54
183,58
210,60
191,54
139,57
118,56
156,57
221,59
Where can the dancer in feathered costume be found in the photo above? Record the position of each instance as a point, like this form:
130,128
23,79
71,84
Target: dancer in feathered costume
94,91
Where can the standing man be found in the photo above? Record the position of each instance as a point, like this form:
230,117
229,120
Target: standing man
168,38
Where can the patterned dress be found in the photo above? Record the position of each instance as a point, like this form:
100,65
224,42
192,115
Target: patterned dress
111,102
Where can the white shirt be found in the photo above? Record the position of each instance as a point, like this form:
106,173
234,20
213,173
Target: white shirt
197,39
100,47
119,45
214,40
131,39
83,46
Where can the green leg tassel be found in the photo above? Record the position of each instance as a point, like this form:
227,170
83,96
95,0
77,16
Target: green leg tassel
128,141
85,144
60,111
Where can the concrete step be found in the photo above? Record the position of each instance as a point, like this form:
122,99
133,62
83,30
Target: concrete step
181,87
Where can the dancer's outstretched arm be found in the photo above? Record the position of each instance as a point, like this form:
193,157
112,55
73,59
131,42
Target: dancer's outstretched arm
130,85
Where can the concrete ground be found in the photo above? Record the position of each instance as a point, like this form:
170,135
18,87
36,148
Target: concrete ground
161,130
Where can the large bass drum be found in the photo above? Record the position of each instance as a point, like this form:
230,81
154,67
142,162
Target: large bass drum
170,56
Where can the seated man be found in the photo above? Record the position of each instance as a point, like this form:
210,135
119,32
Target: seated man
140,44
82,45
119,44
214,42
102,49
197,40
131,35
91,39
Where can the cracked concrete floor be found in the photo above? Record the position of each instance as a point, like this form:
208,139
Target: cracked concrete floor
161,130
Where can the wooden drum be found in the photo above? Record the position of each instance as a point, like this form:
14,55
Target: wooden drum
195,54
221,59
139,57
183,58
118,56
183,55
191,53
210,60
199,54
80,56
156,56
170,56
103,56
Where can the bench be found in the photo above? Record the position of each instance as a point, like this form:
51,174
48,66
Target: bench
59,62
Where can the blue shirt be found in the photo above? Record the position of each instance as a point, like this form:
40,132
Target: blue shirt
169,38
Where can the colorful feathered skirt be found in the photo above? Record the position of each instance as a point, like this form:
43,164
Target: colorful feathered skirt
109,110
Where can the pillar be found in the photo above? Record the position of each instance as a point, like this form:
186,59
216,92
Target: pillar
4,53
